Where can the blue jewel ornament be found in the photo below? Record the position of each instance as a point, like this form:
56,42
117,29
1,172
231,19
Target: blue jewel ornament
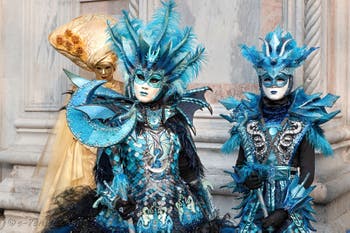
273,131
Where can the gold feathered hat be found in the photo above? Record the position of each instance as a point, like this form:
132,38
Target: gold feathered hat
84,40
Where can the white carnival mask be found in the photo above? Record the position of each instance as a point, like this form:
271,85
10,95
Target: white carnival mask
275,92
147,88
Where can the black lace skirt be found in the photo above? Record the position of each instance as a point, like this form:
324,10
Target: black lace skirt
74,214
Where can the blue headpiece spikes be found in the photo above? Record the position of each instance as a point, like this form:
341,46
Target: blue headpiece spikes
279,54
160,46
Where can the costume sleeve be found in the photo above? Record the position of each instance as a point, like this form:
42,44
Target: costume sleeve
190,166
240,173
193,176
306,162
241,159
187,174
112,184
299,190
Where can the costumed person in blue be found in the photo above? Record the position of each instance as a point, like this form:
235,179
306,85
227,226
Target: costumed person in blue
148,175
277,133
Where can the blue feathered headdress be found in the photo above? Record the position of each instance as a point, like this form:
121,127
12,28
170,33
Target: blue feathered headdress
280,54
159,46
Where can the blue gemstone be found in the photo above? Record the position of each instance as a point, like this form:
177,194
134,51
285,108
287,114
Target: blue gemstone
273,131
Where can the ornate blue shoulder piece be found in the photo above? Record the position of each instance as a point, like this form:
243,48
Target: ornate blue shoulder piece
312,110
240,112
190,102
91,121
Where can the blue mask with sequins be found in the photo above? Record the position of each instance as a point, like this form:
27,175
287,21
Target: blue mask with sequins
279,81
151,78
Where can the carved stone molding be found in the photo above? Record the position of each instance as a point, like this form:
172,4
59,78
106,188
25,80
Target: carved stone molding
312,67
20,190
293,21
134,8
306,21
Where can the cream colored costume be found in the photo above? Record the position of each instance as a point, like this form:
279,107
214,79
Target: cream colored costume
83,41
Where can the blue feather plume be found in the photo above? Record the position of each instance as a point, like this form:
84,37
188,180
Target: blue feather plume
317,139
231,144
160,45
279,54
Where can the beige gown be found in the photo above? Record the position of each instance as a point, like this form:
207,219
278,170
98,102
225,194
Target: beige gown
71,163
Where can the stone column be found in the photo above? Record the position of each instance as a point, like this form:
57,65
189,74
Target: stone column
1,68
134,8
293,21
325,24
312,68
336,174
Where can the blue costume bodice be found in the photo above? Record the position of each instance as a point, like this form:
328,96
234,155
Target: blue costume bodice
146,155
274,135
149,160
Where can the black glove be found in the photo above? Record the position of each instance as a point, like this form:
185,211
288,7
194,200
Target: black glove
253,181
276,219
125,208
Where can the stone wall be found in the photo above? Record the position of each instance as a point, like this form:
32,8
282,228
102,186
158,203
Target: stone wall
31,83
31,87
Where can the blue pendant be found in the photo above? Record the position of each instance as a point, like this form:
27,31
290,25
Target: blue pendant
273,131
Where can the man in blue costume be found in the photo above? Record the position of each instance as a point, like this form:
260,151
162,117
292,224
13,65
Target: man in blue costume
148,174
277,133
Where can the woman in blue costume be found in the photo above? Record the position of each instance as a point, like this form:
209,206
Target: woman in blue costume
148,174
277,133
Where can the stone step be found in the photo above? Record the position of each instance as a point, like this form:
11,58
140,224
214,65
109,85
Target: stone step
21,189
14,221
